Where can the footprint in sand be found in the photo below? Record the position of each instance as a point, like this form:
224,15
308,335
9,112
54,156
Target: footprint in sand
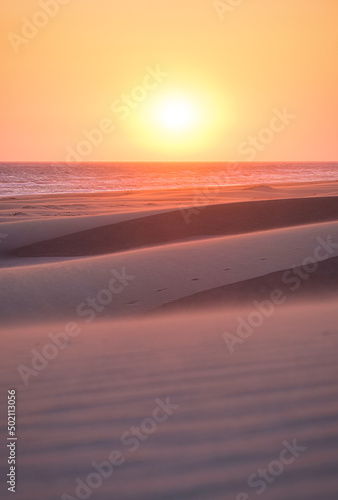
54,207
161,289
195,279
227,268
263,258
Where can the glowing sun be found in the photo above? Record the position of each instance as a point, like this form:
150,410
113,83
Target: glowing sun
176,114
177,122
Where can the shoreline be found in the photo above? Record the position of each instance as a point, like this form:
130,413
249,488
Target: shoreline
127,191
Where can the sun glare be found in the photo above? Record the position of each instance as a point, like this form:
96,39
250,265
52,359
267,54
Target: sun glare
176,114
178,122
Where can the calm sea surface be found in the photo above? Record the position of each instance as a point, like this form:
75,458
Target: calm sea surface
46,178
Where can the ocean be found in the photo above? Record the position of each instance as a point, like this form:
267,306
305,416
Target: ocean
50,178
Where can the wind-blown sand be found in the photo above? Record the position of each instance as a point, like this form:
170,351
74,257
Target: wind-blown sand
231,314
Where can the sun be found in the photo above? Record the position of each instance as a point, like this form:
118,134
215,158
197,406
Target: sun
178,122
176,114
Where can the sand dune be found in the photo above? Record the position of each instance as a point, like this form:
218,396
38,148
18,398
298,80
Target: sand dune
234,411
214,268
111,311
177,225
323,282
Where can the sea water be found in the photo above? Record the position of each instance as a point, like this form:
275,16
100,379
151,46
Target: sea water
47,178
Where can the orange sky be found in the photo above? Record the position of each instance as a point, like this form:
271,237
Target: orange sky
241,67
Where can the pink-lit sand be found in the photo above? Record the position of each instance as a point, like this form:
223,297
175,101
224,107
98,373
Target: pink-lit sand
169,299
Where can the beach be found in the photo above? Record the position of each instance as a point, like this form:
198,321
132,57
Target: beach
169,250
173,343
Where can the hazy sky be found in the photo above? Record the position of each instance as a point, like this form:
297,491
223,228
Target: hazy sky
256,79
